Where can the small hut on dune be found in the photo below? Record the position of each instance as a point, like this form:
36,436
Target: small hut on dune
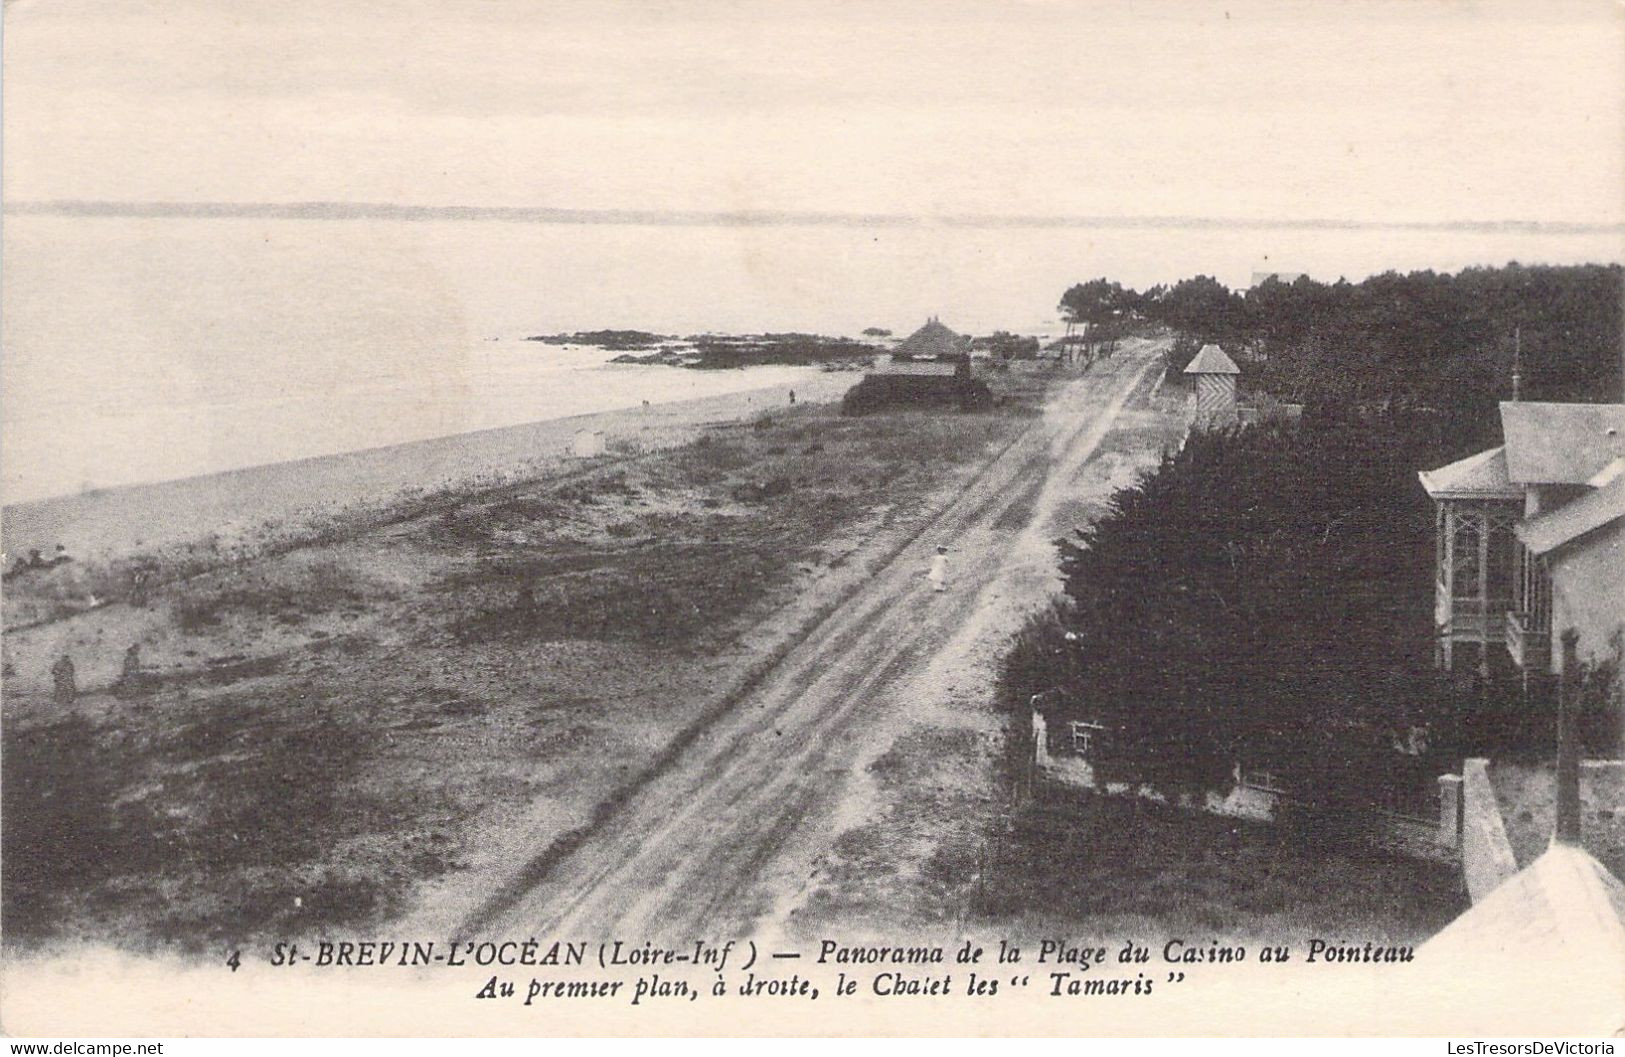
933,341
930,367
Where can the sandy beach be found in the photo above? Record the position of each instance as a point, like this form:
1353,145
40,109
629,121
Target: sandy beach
242,511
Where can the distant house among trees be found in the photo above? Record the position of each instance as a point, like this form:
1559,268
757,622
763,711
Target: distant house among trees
1529,540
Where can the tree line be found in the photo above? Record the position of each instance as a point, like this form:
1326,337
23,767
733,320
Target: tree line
1443,343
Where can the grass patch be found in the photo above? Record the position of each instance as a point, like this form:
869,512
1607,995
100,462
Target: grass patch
287,597
214,828
673,598
690,541
62,835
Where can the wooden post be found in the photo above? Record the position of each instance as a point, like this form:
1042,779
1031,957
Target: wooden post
1448,653
1450,809
1029,768
1517,364
1568,748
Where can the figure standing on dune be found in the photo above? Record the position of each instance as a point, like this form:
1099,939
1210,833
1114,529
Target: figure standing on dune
939,570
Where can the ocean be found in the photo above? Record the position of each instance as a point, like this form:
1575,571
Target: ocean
149,349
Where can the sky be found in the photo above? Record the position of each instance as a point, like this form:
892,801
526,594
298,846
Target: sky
1371,112
222,215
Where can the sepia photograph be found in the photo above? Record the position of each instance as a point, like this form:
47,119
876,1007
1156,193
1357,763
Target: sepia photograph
824,518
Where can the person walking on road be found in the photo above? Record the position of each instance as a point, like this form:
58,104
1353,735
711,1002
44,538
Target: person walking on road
939,570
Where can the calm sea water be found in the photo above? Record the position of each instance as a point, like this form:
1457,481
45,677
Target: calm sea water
143,350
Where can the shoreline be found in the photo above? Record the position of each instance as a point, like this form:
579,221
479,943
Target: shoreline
234,507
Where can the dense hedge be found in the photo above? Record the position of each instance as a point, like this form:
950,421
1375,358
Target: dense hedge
1250,600
887,391
1265,596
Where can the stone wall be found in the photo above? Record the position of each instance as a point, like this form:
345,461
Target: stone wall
1486,853
1602,811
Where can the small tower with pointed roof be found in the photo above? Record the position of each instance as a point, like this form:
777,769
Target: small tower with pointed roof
1215,376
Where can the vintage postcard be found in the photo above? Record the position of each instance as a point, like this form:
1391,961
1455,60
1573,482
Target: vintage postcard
816,518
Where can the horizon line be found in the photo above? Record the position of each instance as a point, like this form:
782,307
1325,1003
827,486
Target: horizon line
338,210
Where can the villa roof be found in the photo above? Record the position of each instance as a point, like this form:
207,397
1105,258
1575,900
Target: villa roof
1608,474
933,339
1570,521
1565,907
1561,443
1481,476
1212,360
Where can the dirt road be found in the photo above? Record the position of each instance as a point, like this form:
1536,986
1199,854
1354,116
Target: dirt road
727,828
